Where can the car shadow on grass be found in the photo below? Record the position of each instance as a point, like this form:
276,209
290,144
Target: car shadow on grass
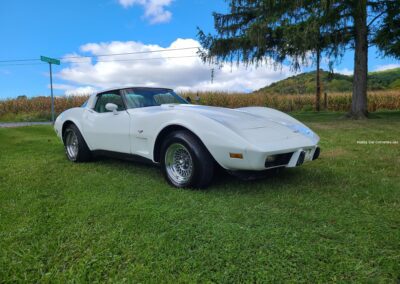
223,181
300,178
226,181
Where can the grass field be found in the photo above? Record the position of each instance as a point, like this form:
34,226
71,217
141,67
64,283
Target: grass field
334,220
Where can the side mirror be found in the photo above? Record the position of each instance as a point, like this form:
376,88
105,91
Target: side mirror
112,107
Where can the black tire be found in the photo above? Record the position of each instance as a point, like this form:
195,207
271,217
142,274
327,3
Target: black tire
202,161
83,152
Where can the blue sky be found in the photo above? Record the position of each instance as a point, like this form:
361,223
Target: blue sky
92,27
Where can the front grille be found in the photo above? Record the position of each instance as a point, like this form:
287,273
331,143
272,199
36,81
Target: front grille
279,160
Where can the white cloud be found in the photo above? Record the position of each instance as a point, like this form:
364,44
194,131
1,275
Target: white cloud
71,90
163,69
344,71
387,67
81,91
154,10
61,87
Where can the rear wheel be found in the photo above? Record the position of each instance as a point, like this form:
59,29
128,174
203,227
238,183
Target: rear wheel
185,161
76,148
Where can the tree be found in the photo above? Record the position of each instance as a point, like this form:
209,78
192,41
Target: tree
275,31
388,32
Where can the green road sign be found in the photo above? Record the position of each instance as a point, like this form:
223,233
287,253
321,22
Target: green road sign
56,62
50,60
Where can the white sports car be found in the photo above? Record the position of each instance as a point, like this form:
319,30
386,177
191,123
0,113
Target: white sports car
188,141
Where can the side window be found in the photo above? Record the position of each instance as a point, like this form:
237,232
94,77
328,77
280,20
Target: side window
104,99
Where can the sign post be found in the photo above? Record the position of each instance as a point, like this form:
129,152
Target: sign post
56,62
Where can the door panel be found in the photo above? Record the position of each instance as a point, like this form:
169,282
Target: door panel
139,135
106,130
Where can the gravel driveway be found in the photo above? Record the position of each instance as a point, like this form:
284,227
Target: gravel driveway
19,124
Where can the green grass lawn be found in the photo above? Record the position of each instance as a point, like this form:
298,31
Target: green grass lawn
336,219
25,117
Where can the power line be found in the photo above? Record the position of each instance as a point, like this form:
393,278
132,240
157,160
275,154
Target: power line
21,64
139,59
18,60
101,55
128,53
117,60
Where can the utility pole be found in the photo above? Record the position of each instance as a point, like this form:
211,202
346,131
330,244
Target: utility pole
56,62
52,97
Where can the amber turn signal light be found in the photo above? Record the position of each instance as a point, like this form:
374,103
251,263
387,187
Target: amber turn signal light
236,155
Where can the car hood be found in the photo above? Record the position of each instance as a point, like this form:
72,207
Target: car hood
251,126
230,117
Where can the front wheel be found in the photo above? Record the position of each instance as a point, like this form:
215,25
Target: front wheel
75,146
185,161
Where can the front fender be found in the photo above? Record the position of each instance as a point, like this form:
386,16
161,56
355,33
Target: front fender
73,115
217,138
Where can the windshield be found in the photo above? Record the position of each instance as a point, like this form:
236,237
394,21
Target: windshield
146,97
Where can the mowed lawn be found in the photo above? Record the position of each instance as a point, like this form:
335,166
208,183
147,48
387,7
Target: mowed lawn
336,219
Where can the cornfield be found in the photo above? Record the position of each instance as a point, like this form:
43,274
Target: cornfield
39,107
382,100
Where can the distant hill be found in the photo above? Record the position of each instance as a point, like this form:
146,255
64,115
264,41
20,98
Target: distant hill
305,83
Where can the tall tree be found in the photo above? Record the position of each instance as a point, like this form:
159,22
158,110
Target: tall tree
256,31
387,33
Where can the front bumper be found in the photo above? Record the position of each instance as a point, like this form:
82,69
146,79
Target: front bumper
256,159
296,157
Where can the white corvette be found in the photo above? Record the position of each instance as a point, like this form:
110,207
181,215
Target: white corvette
188,141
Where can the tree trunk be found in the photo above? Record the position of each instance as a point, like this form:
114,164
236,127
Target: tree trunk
318,94
359,107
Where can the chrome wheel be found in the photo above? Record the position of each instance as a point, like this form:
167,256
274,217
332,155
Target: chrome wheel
71,144
178,164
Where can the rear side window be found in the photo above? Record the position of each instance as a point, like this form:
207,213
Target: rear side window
104,99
